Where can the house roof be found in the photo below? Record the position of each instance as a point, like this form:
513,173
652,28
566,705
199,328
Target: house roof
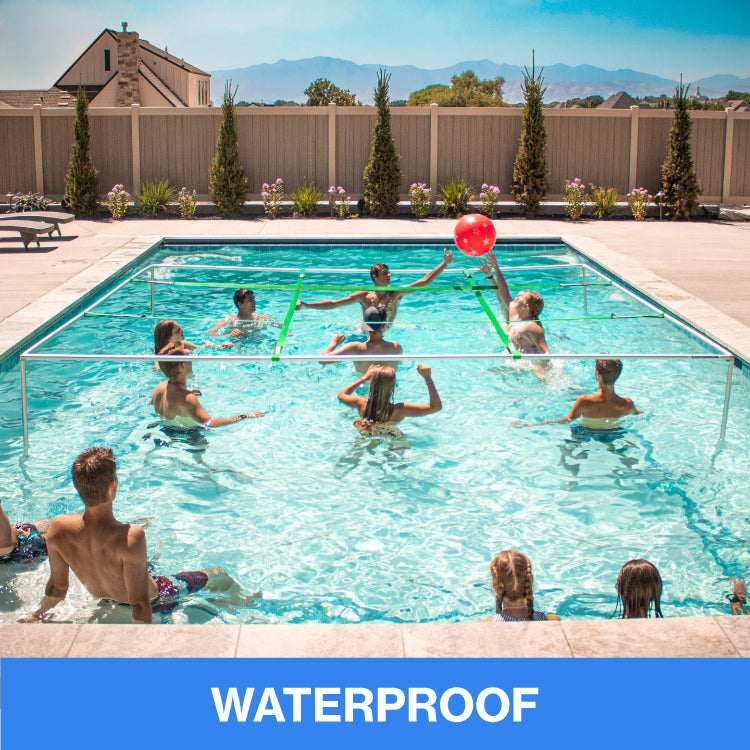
53,97
160,86
738,105
620,100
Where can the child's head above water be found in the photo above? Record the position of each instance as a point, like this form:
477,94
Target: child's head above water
609,370
171,367
638,586
533,300
512,579
164,332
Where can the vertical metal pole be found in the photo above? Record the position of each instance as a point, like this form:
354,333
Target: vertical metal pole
24,408
585,296
727,393
152,291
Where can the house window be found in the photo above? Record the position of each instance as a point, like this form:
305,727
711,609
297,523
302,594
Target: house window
107,61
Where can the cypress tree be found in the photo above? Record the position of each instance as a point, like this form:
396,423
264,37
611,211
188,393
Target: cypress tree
382,173
530,184
680,187
80,180
227,180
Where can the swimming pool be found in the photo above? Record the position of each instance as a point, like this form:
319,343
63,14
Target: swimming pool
335,528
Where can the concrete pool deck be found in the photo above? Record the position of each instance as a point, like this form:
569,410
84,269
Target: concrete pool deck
700,270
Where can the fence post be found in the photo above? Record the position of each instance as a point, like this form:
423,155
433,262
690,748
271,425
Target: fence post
38,162
633,173
135,145
433,150
332,143
726,182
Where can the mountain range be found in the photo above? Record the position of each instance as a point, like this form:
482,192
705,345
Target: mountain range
288,79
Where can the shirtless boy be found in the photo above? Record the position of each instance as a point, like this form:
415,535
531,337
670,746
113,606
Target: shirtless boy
604,409
245,319
174,401
387,302
375,344
109,557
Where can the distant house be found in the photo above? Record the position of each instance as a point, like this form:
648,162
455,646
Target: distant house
119,69
621,100
738,105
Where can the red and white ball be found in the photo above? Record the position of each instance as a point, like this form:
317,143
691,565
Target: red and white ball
475,235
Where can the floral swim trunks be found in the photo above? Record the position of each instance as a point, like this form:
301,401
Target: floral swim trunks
31,544
174,588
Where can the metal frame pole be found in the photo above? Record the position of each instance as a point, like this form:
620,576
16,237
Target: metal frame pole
727,394
152,290
585,295
24,406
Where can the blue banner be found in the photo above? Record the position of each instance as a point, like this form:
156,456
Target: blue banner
371,703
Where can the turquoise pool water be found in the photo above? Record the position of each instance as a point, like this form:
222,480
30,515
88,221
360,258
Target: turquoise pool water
336,528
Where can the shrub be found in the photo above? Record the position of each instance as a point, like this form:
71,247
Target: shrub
305,200
639,201
489,196
117,201
575,198
419,196
28,202
154,198
272,196
382,173
339,202
188,200
530,183
604,200
227,180
680,187
80,180
456,194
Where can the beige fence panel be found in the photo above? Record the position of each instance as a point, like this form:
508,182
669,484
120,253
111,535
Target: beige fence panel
740,178
708,136
286,142
353,142
596,149
17,173
411,134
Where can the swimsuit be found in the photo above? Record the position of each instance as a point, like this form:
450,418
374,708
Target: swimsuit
381,430
174,588
600,423
30,545
526,347
501,617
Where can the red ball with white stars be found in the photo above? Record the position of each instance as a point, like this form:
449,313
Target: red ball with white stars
475,235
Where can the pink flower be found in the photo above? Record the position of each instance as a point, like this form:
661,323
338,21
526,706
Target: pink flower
279,181
264,194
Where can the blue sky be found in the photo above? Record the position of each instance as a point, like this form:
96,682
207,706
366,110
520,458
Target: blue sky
39,39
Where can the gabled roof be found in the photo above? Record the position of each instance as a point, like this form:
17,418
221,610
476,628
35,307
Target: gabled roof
738,105
620,100
160,86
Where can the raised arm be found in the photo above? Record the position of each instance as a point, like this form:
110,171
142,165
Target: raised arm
346,395
489,266
421,410
331,304
429,277
199,414
337,340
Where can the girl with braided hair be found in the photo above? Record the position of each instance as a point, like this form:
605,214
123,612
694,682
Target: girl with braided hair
512,581
638,587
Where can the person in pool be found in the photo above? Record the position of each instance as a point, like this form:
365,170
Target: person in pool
245,319
170,332
386,302
374,324
522,314
109,557
639,588
512,581
604,409
179,404
378,415
22,542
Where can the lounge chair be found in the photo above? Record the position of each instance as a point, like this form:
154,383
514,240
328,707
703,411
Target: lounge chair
47,217
30,230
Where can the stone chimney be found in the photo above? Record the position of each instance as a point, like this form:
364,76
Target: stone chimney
128,62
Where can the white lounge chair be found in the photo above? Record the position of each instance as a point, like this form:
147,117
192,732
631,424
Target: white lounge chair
46,217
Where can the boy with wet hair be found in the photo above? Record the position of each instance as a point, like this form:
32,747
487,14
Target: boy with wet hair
386,302
109,557
245,319
602,410
177,403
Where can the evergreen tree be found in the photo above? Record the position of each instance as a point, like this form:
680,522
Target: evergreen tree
679,184
80,180
530,184
227,180
382,173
